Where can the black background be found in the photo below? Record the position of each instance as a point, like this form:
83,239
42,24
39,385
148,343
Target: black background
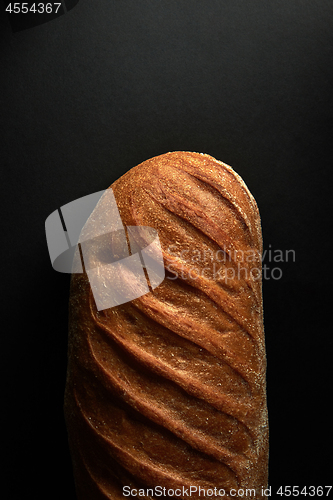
89,95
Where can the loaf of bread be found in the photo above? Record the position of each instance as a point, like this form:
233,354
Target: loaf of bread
166,394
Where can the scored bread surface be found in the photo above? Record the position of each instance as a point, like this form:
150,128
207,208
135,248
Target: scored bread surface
169,389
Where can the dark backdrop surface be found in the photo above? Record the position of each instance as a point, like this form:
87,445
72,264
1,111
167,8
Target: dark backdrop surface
87,96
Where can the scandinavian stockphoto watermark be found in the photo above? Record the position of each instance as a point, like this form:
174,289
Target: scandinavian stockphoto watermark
122,262
126,262
227,265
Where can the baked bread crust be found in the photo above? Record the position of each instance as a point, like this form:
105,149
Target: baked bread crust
169,390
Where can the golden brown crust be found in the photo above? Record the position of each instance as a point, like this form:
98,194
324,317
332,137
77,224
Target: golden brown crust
169,390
